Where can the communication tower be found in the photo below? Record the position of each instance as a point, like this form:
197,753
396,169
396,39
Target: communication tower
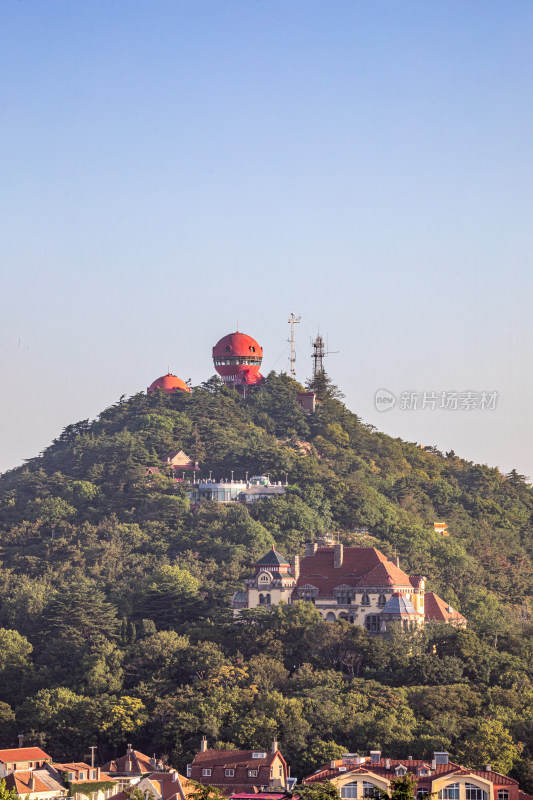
319,353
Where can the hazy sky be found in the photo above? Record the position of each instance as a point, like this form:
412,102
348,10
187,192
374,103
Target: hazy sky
171,166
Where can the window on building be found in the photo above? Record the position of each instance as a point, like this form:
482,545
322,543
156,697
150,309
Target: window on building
369,790
280,771
421,793
71,776
365,600
330,616
349,791
206,773
81,776
474,792
382,600
252,773
93,774
229,773
450,792
503,794
372,623
268,599
189,770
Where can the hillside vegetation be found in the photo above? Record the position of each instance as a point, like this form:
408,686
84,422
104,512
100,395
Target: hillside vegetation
114,595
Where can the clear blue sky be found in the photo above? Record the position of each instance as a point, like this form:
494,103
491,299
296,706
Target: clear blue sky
171,166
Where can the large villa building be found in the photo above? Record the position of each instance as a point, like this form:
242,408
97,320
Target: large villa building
438,778
358,584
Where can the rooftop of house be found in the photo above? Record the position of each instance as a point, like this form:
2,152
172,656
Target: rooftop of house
81,771
361,566
231,758
18,754
272,558
169,785
386,767
141,764
36,781
439,610
399,605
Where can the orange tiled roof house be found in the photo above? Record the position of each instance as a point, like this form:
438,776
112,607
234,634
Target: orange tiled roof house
239,770
359,584
357,777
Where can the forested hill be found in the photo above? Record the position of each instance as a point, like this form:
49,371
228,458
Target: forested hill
114,595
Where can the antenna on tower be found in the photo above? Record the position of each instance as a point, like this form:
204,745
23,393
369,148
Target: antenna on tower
293,320
319,353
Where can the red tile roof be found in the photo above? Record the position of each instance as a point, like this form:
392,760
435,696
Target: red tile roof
361,566
20,782
241,761
326,772
435,608
80,766
140,764
18,754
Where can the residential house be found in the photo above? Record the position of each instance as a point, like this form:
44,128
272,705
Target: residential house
357,777
234,771
96,784
22,758
130,767
40,783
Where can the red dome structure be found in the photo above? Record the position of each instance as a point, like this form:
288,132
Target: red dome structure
237,358
169,383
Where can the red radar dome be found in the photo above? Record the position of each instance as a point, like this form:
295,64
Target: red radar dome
237,358
169,383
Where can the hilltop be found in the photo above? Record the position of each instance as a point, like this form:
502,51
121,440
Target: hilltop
114,594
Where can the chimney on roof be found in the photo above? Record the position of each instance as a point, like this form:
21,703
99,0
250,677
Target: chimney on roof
337,555
129,748
153,762
434,765
396,561
31,782
375,756
274,745
203,744
387,763
20,737
488,768
128,766
174,777
295,567
310,549
332,765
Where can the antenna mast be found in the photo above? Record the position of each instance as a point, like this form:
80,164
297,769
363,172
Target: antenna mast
319,353
293,320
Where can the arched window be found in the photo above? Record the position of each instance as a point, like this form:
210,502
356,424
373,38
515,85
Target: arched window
450,792
349,791
268,599
261,599
503,794
421,793
365,600
330,617
474,792
369,790
382,600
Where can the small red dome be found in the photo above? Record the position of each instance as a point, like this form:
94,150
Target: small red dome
169,383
